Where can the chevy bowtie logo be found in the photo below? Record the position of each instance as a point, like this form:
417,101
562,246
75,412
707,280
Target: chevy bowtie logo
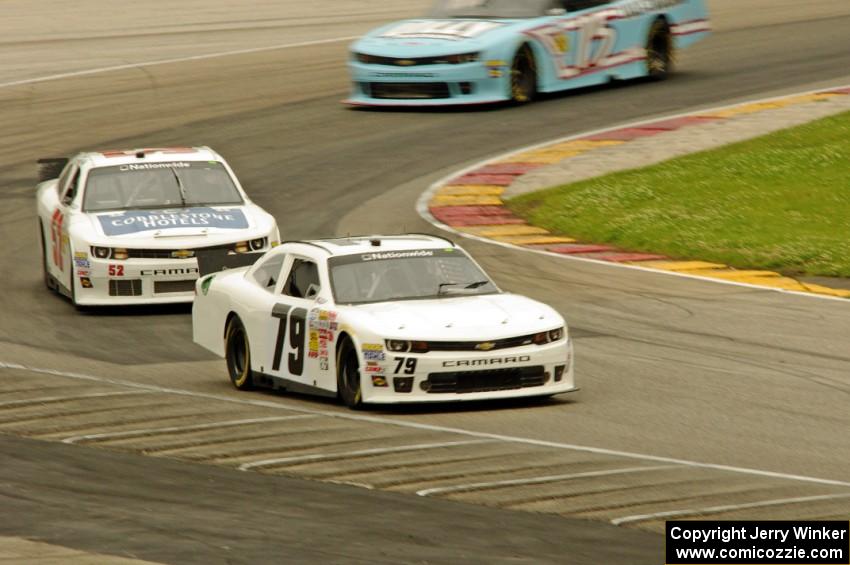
182,254
405,63
486,346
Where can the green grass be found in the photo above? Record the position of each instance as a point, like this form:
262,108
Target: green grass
779,202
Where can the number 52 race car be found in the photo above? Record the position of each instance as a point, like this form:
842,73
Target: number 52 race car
123,227
380,320
485,51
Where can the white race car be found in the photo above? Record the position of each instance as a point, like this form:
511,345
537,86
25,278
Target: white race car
123,227
379,320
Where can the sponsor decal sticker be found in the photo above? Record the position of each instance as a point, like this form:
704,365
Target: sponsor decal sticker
374,355
137,221
81,255
379,381
397,255
82,263
441,29
322,335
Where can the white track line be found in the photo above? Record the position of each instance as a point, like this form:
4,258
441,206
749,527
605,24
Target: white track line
722,509
195,427
430,427
353,454
53,399
542,480
128,66
423,210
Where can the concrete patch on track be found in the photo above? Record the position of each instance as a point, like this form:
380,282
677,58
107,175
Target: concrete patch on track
470,202
270,436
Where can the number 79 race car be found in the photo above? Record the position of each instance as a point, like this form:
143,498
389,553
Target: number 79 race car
123,227
486,51
379,320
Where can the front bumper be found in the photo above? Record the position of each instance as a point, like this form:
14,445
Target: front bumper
468,376
428,85
135,281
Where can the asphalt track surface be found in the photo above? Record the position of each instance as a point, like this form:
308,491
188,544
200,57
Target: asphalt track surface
669,367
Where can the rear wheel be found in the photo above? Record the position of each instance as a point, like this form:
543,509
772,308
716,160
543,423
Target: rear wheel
523,76
659,51
348,375
237,354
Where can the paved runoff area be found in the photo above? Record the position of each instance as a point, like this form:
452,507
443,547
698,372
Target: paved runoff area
473,202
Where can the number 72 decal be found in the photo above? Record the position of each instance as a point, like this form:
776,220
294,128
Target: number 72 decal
295,321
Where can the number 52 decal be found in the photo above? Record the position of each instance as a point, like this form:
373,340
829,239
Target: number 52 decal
295,320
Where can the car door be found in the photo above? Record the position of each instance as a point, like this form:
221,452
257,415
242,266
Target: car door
59,256
263,283
289,355
590,35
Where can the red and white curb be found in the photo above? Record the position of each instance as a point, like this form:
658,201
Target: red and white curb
469,203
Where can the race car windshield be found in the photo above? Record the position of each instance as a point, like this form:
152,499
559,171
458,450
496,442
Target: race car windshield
490,8
406,275
159,185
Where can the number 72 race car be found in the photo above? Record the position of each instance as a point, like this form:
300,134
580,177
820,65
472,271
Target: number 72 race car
486,51
379,320
123,227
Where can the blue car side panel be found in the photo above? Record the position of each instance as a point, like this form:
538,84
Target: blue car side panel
571,51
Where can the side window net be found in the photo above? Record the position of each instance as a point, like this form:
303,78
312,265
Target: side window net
303,281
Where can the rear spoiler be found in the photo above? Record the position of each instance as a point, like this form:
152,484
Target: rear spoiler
49,169
214,260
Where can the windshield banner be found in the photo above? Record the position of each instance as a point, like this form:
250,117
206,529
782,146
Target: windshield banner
136,221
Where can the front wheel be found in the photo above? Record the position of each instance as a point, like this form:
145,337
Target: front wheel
523,76
348,376
237,354
49,281
659,51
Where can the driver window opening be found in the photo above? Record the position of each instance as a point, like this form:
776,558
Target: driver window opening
303,281
71,191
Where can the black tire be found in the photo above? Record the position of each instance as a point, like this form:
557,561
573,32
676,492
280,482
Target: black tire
659,51
49,281
348,376
523,76
237,354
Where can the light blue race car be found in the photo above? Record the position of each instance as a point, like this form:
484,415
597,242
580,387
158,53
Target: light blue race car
486,51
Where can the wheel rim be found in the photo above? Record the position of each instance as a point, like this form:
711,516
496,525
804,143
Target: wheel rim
522,77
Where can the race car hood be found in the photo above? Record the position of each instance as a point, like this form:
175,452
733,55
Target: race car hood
197,225
433,37
468,318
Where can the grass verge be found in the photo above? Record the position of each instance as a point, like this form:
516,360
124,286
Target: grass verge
778,202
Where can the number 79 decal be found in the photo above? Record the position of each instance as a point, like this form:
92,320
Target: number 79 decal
295,321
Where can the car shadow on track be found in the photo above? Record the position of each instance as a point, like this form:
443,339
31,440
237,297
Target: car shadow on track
448,407
544,97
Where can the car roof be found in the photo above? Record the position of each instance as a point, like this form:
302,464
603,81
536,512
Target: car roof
147,155
335,247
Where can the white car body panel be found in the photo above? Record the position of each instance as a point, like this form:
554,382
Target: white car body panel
311,330
69,233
